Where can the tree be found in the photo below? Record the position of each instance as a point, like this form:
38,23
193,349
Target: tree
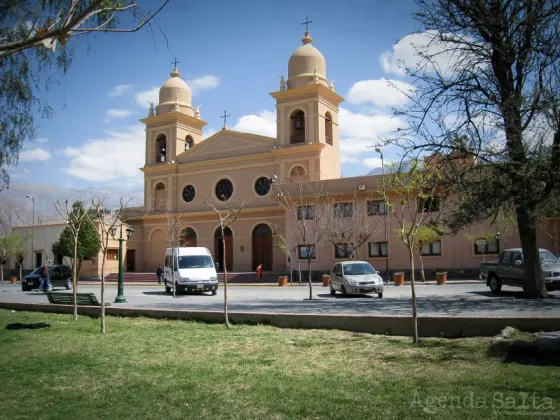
308,209
88,240
78,219
11,246
504,223
420,203
226,217
35,36
105,222
425,235
351,225
288,244
173,235
485,93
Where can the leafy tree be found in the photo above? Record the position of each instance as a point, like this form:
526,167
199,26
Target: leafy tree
425,235
486,95
34,37
88,240
73,242
421,199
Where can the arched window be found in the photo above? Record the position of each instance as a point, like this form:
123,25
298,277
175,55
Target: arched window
188,237
160,196
297,174
161,148
297,128
189,142
328,128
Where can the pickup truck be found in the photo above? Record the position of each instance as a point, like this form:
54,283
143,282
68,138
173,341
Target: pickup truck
509,270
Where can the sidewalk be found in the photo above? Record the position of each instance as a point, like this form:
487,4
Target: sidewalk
303,284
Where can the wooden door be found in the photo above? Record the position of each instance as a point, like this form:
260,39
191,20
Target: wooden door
262,247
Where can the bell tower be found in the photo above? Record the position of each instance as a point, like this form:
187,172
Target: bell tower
307,108
174,126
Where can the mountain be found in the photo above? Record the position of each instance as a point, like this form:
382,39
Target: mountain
14,201
400,167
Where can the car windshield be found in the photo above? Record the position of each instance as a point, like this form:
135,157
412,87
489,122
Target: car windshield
195,261
37,270
356,269
547,257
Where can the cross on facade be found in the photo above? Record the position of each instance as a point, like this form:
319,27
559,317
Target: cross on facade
225,117
174,62
306,23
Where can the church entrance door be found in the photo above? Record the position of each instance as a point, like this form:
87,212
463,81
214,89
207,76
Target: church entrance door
262,247
219,250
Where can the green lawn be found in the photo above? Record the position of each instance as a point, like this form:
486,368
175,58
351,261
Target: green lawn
155,369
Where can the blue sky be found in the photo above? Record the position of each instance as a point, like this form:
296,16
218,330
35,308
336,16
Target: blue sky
232,54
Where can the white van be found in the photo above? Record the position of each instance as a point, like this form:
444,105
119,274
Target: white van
194,270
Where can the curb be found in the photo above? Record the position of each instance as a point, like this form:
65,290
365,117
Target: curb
428,326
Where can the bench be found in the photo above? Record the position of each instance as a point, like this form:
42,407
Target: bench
84,299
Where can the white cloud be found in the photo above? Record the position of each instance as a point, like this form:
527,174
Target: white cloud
264,123
359,133
24,173
119,90
116,156
381,93
117,113
407,51
145,97
36,154
42,140
208,81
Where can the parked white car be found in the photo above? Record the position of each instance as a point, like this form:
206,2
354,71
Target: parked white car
355,277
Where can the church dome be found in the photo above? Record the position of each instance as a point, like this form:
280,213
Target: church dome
307,65
175,93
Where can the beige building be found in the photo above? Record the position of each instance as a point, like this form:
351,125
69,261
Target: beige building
41,238
181,172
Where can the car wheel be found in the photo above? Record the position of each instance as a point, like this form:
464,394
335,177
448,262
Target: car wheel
380,295
343,290
24,289
333,292
50,288
167,288
68,284
495,285
214,292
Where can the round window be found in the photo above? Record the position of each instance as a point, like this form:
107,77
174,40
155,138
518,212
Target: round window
188,193
262,186
224,189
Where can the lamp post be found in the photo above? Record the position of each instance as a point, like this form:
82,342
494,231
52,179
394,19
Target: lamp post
498,235
378,150
32,229
120,292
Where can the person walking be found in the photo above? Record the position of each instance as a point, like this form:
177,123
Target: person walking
259,272
44,276
159,273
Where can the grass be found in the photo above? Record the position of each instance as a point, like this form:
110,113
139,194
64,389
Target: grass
145,368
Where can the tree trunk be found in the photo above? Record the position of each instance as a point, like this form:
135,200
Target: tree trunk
2,273
173,265
534,284
103,293
225,277
75,278
291,276
413,290
309,276
422,274
21,273
299,271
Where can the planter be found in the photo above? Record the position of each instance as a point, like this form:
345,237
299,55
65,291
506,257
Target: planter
398,278
326,280
13,280
282,281
441,279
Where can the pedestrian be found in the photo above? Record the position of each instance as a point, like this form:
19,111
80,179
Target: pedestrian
259,272
159,273
44,276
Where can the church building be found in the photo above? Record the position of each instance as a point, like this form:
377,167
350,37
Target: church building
182,173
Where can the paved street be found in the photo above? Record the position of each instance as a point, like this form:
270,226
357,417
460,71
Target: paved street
450,300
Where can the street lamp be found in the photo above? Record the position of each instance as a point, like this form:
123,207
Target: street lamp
378,150
32,229
120,292
498,235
